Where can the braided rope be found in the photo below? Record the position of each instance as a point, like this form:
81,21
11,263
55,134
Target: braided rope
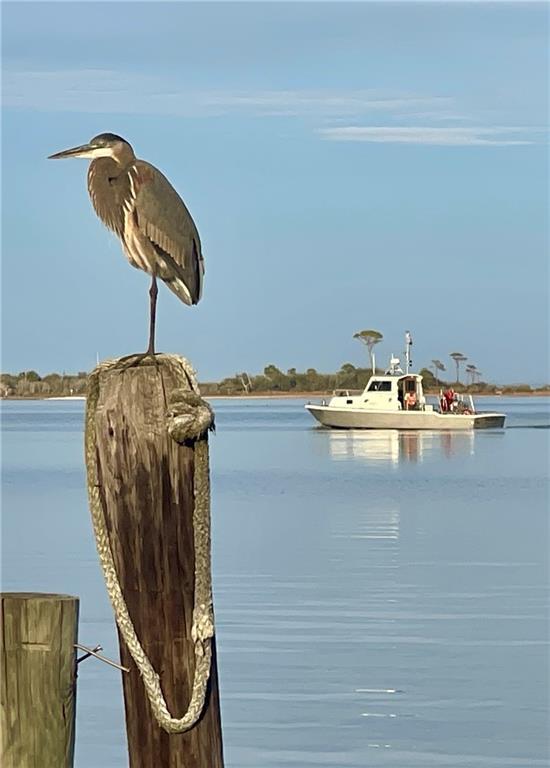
188,419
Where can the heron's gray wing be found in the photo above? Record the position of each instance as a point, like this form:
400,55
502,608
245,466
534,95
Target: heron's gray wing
163,218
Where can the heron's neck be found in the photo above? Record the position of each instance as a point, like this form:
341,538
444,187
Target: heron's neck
124,156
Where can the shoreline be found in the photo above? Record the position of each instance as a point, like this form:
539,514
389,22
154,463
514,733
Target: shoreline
282,396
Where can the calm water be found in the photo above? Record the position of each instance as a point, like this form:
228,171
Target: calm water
381,598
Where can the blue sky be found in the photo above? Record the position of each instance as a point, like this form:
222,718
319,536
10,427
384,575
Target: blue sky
349,166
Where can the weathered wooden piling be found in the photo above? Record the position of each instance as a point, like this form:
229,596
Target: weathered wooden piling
147,482
38,679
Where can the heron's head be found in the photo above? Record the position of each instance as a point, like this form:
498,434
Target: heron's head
103,145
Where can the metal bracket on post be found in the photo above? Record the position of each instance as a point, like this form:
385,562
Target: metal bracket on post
94,652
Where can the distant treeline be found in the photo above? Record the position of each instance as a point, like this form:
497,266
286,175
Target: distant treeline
348,377
272,380
30,384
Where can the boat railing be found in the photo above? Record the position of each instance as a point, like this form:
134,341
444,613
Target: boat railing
461,403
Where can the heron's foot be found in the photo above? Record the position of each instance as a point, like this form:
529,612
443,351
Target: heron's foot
132,361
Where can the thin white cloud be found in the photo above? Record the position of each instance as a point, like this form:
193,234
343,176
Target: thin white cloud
336,113
107,91
436,136
321,102
439,116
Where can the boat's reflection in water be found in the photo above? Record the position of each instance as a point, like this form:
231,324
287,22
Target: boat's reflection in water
394,446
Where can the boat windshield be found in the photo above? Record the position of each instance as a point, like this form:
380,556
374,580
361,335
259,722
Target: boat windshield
379,386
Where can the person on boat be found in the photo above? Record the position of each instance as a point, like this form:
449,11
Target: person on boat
410,401
449,396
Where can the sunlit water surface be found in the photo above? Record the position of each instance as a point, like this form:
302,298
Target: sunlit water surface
381,598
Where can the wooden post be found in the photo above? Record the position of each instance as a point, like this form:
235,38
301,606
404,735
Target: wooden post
146,487
38,679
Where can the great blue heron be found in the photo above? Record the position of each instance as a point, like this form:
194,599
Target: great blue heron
142,208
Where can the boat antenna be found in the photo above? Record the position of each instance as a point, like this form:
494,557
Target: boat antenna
408,345
395,368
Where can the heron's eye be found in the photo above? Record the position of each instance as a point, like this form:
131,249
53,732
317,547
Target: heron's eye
111,179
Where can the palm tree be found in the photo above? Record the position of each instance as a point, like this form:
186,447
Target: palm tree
458,358
369,339
471,371
437,366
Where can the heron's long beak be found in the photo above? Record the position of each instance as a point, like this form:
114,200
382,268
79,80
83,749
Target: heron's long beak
84,150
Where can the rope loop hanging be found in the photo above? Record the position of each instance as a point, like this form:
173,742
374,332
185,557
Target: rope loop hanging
188,419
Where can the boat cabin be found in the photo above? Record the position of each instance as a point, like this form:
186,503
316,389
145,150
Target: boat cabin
390,392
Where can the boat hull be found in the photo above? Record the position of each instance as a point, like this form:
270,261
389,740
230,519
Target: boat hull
355,418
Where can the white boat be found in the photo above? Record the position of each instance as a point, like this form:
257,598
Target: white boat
396,400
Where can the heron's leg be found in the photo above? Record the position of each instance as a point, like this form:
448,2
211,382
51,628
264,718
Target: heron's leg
153,292
131,361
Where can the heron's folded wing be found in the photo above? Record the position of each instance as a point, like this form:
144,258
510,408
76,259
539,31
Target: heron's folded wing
163,218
